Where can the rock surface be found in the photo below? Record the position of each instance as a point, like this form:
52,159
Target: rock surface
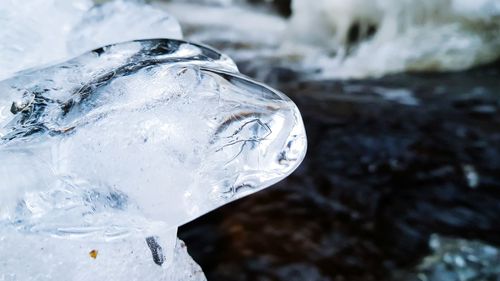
457,260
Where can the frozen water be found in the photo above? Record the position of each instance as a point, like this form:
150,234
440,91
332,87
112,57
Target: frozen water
35,32
29,36
43,257
105,155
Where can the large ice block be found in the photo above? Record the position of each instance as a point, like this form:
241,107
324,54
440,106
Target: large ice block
105,155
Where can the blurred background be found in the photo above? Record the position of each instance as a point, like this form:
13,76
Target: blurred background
401,104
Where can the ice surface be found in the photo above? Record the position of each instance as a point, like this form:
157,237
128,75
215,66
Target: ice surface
44,257
102,157
35,32
111,151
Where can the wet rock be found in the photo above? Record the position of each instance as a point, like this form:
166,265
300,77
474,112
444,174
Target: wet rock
457,260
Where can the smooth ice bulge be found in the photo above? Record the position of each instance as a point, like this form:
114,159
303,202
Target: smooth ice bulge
110,152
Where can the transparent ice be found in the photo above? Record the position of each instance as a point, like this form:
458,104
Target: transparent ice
105,155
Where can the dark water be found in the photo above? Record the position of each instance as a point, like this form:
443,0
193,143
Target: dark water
380,177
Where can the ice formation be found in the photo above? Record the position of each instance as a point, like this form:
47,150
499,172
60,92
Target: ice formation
37,32
104,155
127,142
372,38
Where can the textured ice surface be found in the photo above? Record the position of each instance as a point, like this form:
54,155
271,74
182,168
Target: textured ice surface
34,32
113,150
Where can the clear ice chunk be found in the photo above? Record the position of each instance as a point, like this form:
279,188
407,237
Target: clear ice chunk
105,155
38,32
